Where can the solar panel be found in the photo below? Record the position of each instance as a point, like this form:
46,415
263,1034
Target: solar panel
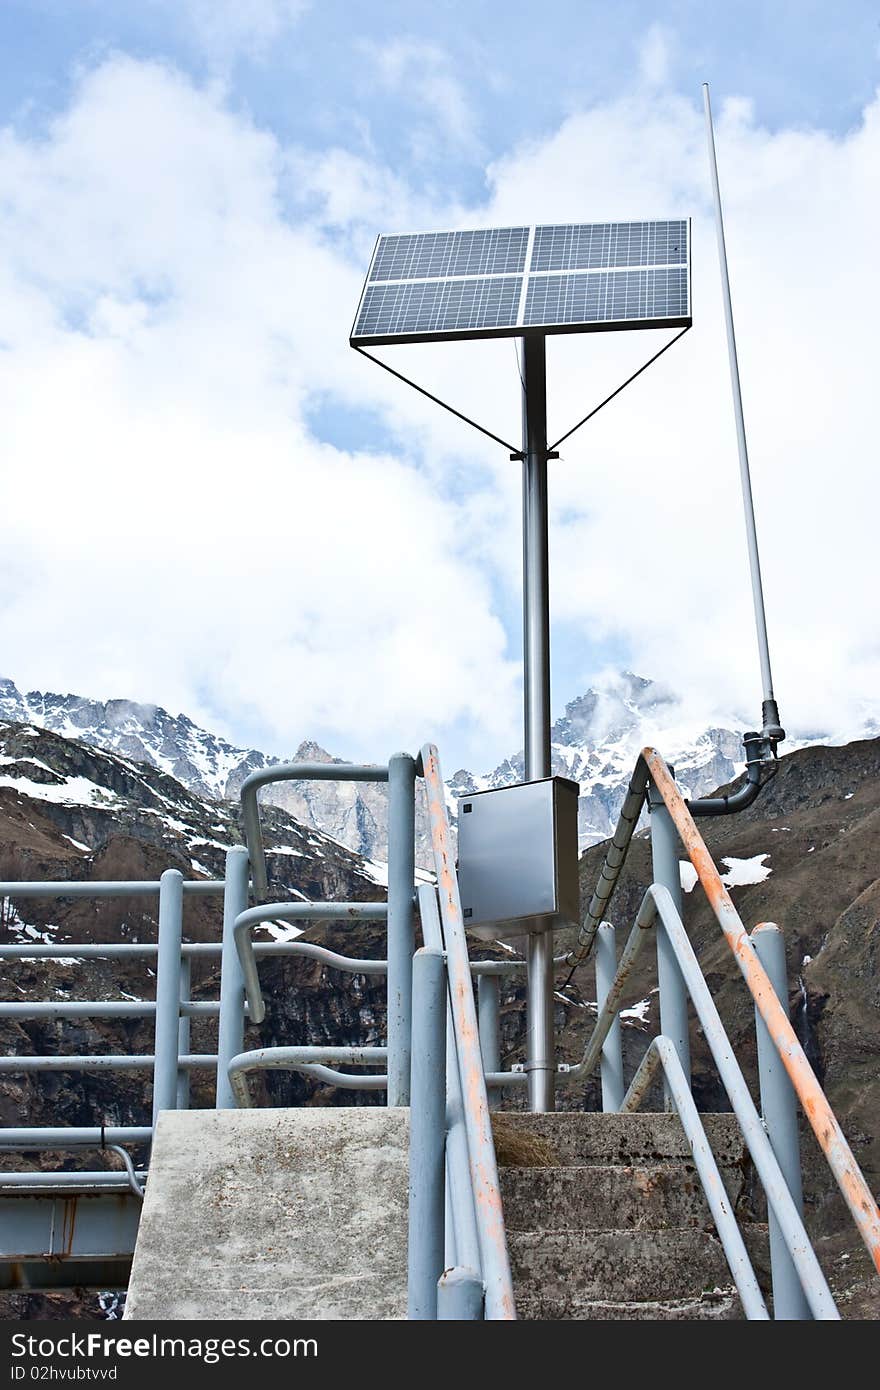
508,281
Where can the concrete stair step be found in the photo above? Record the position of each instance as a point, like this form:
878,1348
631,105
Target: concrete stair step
606,1197
623,1266
720,1306
584,1138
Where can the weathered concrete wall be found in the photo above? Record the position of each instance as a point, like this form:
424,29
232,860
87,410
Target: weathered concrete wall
274,1214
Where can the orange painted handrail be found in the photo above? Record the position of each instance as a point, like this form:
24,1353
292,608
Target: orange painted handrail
815,1105
475,1101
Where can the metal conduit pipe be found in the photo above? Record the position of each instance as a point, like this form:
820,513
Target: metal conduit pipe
757,760
133,1183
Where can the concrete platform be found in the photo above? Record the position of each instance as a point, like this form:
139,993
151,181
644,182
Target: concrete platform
274,1214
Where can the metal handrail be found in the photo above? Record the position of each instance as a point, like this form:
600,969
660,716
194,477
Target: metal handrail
824,1123
651,768
662,1053
171,1060
494,1258
100,1061
310,1062
657,903
253,917
104,888
290,772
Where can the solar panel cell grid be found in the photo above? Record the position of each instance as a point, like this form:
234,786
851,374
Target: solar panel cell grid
436,255
603,245
439,306
606,297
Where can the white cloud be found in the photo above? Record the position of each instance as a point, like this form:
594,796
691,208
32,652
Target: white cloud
179,534
422,72
654,55
226,29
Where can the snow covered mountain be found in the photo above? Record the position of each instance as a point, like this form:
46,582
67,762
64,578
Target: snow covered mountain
203,762
595,743
206,763
597,740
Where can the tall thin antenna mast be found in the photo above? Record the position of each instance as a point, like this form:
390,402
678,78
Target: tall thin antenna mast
772,729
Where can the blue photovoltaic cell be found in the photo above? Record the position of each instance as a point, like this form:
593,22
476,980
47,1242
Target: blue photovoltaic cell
607,297
607,245
439,306
477,283
438,255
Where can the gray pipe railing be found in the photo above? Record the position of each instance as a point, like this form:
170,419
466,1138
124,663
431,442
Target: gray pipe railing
290,772
310,1061
101,1061
292,912
662,1052
657,904
462,1242
400,776
105,888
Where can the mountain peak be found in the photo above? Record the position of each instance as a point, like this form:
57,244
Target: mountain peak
311,752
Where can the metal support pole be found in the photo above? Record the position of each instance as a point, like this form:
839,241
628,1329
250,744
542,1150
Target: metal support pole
167,991
401,921
427,1135
183,1033
613,1089
541,1051
673,994
779,1110
460,1296
230,1033
489,1020
771,713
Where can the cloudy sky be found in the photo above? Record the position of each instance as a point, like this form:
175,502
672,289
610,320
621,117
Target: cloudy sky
211,503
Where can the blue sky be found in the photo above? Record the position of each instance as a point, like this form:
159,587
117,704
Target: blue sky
191,190
309,71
